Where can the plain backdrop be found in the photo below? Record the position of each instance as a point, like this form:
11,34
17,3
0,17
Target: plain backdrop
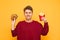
51,8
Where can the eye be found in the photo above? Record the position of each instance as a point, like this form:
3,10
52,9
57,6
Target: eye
29,12
26,12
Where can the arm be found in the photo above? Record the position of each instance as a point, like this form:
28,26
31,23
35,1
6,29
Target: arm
13,30
45,29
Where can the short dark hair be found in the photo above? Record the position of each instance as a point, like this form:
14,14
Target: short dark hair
29,8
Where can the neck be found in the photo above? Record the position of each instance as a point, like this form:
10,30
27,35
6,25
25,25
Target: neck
28,20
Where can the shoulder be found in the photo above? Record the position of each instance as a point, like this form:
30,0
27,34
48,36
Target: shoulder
37,22
20,22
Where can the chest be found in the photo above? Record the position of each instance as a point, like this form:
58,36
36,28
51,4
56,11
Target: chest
30,28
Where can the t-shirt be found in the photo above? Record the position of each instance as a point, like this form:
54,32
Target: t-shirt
30,31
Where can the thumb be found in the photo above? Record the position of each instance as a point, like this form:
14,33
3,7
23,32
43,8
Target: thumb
13,21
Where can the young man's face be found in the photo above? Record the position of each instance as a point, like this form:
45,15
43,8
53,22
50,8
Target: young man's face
28,14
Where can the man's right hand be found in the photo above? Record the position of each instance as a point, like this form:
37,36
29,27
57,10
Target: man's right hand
13,18
13,24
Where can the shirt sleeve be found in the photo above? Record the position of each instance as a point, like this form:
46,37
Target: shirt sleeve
45,29
14,32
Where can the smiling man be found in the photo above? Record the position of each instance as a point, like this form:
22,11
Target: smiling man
29,29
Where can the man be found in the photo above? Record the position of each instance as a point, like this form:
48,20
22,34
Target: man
29,29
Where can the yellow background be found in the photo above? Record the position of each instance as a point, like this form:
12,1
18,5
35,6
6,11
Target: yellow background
51,8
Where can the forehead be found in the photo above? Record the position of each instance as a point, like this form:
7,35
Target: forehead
27,10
